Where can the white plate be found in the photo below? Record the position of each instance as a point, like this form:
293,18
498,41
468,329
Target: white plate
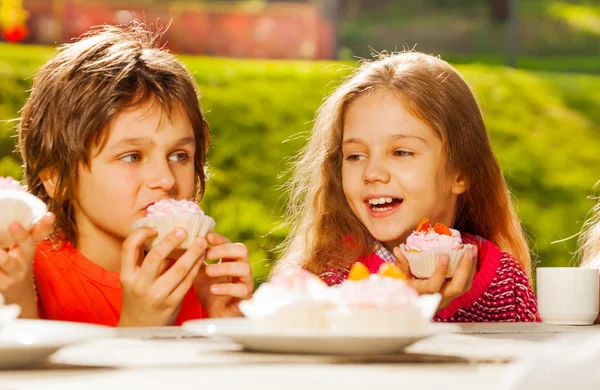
26,343
245,333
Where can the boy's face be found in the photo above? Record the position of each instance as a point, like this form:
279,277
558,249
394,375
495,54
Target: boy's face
147,157
388,154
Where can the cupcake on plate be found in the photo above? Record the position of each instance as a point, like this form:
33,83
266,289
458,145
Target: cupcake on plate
426,243
381,303
17,205
295,299
166,215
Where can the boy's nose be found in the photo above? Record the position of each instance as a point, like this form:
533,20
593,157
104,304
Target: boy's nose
160,176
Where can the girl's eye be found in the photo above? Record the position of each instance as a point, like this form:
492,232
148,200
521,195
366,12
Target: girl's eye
403,153
354,157
179,157
131,158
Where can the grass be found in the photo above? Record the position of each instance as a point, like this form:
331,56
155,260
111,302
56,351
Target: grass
544,126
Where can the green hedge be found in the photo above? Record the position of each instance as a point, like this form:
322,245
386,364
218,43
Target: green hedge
545,128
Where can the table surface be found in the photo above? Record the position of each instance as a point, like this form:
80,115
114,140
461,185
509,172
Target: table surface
285,372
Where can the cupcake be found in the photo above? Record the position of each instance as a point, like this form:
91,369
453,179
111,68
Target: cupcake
166,215
381,302
426,243
17,205
295,299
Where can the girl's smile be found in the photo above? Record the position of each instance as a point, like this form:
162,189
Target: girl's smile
382,206
393,168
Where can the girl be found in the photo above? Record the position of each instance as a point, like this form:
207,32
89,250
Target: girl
112,126
589,242
403,139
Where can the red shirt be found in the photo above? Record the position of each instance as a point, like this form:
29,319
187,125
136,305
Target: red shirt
72,288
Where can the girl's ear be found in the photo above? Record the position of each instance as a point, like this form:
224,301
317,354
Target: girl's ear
459,184
49,178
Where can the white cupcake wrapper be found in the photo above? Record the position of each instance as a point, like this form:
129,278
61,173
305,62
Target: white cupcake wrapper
297,315
386,320
195,226
18,206
423,264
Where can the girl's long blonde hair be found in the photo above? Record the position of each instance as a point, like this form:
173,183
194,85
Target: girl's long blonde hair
325,231
589,239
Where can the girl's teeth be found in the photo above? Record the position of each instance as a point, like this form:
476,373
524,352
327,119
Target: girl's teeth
380,201
381,208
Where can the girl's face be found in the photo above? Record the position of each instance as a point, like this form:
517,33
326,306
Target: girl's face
147,157
393,169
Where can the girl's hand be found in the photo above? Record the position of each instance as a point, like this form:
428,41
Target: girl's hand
221,287
16,265
449,289
152,292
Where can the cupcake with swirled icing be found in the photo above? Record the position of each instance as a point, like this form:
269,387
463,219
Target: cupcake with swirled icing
295,299
382,302
168,214
426,243
17,205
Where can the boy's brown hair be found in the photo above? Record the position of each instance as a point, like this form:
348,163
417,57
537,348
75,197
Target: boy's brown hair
77,94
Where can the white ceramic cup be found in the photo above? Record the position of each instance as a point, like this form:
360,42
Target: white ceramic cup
567,296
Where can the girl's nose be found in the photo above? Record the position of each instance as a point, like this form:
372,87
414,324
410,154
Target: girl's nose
375,170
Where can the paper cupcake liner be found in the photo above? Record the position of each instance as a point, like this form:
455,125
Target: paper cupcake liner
423,264
376,320
297,315
385,320
195,226
18,206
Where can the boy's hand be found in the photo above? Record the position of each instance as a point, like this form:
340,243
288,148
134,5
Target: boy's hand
221,287
449,289
152,292
16,265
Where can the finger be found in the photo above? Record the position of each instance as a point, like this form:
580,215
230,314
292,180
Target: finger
11,264
149,270
437,279
235,290
130,255
24,241
175,275
402,262
164,265
5,281
43,228
228,251
233,269
201,241
179,292
215,239
462,276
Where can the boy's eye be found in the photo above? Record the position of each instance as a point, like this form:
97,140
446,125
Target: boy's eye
403,153
131,158
179,157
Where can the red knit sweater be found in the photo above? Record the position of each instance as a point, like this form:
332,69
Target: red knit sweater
500,291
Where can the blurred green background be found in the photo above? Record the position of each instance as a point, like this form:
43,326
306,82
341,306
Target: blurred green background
543,118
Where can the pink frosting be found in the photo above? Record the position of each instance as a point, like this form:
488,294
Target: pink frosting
172,206
378,292
295,279
422,241
8,183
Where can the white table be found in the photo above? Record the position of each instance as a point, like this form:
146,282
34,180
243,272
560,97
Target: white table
284,375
